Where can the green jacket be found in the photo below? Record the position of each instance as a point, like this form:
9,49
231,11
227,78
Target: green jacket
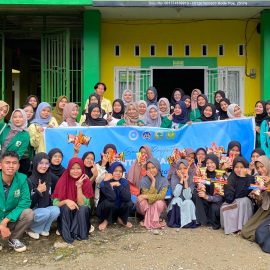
18,198
122,122
195,115
19,143
167,123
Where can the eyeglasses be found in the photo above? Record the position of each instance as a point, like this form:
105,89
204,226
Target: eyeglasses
45,164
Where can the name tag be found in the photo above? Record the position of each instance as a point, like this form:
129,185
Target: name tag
17,193
18,143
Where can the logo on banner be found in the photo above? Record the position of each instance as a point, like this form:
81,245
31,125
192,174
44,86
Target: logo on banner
133,135
146,135
170,135
158,135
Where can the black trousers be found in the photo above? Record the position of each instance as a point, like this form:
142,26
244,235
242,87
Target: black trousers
262,235
109,211
74,224
207,213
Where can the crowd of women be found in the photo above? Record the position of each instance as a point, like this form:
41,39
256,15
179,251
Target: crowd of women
86,187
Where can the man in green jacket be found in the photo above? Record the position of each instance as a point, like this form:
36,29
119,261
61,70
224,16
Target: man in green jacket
15,214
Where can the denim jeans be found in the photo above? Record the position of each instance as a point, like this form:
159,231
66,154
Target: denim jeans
43,218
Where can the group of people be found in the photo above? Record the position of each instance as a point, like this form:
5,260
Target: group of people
36,190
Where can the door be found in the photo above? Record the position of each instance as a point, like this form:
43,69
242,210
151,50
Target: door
135,79
2,66
55,65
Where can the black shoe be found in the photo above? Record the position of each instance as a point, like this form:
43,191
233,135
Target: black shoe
17,245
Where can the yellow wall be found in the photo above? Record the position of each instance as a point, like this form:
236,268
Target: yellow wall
162,33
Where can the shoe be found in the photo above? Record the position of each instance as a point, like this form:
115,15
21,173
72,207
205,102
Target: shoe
57,233
92,228
45,233
33,234
17,245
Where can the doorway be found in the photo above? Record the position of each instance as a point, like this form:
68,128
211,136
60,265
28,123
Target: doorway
166,80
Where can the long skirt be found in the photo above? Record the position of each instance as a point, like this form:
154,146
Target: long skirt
74,224
234,215
207,213
182,215
151,213
262,235
248,231
109,211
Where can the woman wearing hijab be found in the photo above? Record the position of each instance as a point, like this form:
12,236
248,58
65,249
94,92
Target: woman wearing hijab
262,166
4,109
219,95
207,201
127,97
194,96
257,152
176,96
237,208
200,155
142,106
57,112
15,136
115,201
42,119
117,113
33,100
187,101
151,202
93,118
234,111
178,118
208,113
72,193
261,114
70,114
197,112
264,131
131,116
56,158
41,184
223,103
138,170
152,116
181,211
102,167
151,96
164,107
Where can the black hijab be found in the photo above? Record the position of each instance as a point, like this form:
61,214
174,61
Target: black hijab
173,101
109,145
89,121
260,117
119,115
238,187
258,151
212,117
223,114
196,160
184,98
232,144
206,101
88,170
215,159
57,170
154,100
222,93
28,98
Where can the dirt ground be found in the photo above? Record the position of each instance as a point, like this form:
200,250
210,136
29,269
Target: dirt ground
120,248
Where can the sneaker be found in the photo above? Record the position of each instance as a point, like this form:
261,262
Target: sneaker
33,234
92,228
57,233
45,233
17,245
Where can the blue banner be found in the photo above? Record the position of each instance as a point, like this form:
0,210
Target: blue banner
161,140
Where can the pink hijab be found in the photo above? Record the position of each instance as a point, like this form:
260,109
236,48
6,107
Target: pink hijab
194,101
134,175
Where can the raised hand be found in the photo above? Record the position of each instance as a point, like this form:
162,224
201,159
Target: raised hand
41,186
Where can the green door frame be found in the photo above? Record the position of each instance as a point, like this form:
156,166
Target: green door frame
2,67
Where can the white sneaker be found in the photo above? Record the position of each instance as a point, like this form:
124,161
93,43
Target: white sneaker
92,228
45,233
57,233
33,234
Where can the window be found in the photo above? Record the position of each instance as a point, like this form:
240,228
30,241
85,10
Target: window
137,50
204,50
221,50
153,50
170,50
187,50
117,50
241,48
